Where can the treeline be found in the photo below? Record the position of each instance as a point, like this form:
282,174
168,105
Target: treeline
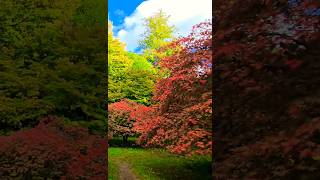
52,62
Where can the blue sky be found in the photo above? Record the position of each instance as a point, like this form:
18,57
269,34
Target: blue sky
127,17
119,9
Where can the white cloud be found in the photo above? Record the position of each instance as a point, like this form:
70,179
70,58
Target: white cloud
183,14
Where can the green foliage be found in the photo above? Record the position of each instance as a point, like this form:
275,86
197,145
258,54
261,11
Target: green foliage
91,12
49,63
157,35
118,63
130,75
141,77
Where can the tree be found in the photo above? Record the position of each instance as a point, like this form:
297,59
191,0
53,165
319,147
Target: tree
266,123
157,35
118,63
50,64
131,76
181,119
120,121
91,13
140,81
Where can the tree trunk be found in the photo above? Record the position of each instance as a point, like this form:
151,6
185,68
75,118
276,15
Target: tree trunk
125,139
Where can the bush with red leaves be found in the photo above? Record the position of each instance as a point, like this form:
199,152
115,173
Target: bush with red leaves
266,59
53,150
120,120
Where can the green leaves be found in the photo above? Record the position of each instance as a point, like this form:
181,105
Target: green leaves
158,34
50,63
131,76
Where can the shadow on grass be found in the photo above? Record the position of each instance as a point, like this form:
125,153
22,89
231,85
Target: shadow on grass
194,170
118,142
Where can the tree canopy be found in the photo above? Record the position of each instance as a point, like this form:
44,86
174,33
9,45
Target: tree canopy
130,75
158,34
50,63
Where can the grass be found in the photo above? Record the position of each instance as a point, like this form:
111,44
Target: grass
112,171
158,164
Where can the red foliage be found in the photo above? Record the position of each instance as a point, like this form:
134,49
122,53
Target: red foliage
293,63
182,119
121,118
53,150
266,89
277,155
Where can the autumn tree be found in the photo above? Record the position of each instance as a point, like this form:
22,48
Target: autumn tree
120,119
181,120
158,34
266,118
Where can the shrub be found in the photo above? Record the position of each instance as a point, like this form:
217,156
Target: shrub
120,121
53,150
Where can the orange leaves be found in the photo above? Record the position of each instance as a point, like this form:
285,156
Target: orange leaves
122,115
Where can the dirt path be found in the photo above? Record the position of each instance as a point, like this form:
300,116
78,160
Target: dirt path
125,172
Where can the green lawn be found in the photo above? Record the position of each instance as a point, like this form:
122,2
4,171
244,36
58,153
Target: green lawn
152,164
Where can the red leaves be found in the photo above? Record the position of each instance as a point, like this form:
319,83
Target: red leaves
255,56
181,121
307,153
202,82
122,115
228,49
294,111
53,150
293,63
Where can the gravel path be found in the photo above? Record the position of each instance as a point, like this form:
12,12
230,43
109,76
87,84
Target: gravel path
125,172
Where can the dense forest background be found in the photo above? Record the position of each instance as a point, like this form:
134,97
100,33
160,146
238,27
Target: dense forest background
52,62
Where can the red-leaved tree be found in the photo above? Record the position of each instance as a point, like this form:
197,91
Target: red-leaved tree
266,59
181,120
120,122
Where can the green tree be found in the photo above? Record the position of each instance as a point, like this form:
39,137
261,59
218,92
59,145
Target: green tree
130,75
140,81
118,63
50,64
158,34
91,12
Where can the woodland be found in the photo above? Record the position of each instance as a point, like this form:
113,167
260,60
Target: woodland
53,93
67,86
75,104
